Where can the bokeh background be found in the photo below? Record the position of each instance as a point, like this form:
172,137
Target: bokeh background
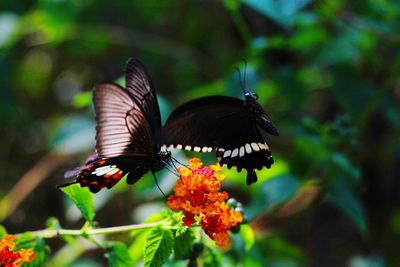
327,73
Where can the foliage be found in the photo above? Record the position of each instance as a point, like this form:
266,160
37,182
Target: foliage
325,71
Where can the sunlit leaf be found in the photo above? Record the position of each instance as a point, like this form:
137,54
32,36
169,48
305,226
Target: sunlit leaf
247,234
82,198
3,231
136,248
158,247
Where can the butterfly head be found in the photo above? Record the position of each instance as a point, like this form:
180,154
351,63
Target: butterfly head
250,96
160,160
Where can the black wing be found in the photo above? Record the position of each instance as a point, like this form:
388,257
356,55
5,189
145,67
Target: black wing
221,124
122,129
140,87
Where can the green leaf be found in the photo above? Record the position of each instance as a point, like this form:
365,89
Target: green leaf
183,243
53,223
213,258
83,199
247,234
118,255
136,248
3,231
158,247
340,195
278,190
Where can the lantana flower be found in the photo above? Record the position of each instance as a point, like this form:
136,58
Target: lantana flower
197,194
11,258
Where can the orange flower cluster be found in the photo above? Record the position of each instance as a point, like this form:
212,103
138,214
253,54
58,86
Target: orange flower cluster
197,194
10,258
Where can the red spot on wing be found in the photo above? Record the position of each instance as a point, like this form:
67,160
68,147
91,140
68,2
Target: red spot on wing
95,182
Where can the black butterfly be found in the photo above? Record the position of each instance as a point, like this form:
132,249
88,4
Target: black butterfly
127,122
234,128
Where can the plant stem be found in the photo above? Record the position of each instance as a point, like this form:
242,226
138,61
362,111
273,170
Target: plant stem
50,233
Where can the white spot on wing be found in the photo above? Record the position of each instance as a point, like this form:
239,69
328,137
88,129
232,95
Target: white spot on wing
179,146
235,153
197,149
114,171
204,149
227,153
248,148
221,149
209,149
103,170
262,146
188,148
241,151
163,147
255,147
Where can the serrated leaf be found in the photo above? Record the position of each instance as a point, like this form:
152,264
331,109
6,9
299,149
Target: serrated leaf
183,243
83,199
158,247
118,255
247,234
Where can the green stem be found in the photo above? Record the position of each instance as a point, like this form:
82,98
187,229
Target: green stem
53,233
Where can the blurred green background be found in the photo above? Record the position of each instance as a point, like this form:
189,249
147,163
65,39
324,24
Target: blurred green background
327,73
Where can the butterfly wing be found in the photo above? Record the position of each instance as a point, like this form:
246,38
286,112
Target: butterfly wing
126,123
123,141
140,87
122,129
221,124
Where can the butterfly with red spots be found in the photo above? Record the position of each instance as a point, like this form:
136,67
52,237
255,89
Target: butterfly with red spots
127,123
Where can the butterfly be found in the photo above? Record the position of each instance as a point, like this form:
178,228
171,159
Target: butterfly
127,122
235,129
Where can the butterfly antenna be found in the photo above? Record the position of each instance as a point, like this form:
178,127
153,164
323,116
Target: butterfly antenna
245,72
168,167
158,186
240,79
178,162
